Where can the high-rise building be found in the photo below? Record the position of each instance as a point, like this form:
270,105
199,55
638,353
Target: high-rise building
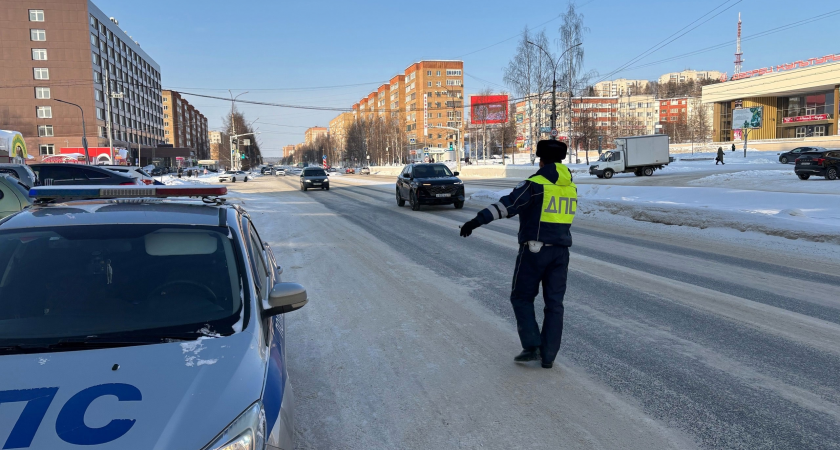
314,133
686,75
338,130
288,151
441,85
620,87
54,50
183,125
638,114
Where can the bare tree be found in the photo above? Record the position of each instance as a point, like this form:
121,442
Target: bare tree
575,79
252,152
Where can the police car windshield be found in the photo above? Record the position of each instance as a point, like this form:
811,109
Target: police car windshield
435,171
135,281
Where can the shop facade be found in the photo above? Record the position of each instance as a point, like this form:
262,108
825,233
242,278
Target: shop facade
798,100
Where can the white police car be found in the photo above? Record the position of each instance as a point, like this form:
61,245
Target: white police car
130,321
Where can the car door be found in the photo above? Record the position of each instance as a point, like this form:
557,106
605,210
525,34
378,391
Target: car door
405,181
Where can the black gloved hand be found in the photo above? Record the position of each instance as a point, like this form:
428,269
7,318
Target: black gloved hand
467,228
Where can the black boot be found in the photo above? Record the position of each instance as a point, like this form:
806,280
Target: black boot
528,354
546,365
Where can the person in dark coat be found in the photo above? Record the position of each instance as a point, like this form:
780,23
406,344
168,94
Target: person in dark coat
733,146
719,158
546,204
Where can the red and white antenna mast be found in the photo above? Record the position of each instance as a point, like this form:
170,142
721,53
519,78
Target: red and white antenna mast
738,53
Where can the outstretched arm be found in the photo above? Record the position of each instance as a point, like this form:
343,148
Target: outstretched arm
507,207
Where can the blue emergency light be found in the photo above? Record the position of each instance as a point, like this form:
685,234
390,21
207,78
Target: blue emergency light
95,192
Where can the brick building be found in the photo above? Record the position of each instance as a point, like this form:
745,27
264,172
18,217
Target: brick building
288,151
314,133
183,125
62,50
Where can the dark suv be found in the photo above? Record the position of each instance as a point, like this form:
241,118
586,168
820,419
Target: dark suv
791,156
429,184
825,164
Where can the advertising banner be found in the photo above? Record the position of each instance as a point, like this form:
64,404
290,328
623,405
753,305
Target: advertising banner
425,114
747,118
488,109
809,118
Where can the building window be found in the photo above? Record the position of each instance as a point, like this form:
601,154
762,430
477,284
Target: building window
819,130
42,73
45,131
42,93
453,73
44,112
94,40
102,132
93,22
47,149
38,35
39,54
36,15
100,113
95,59
454,83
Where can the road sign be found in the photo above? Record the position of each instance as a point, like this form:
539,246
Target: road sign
545,129
426,159
554,132
412,141
246,142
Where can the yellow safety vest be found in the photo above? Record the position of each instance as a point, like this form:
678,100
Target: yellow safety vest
559,200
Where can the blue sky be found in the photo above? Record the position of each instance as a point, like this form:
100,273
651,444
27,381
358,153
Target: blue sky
274,47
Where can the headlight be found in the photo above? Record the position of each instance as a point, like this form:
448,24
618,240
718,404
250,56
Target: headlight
308,181
247,432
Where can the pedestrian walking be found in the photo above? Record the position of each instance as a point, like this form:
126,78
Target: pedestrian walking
546,204
733,146
719,158
180,171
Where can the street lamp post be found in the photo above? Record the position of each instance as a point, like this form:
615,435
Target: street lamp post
84,129
233,127
554,85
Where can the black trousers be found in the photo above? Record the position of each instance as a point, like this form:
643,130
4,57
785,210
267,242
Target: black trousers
550,266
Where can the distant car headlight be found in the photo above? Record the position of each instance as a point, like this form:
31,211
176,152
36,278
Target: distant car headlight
247,432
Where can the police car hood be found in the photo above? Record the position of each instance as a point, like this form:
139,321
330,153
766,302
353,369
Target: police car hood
163,396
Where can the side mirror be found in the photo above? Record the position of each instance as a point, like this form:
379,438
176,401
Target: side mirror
456,173
284,298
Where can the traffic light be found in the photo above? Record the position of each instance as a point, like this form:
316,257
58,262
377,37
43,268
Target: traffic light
451,147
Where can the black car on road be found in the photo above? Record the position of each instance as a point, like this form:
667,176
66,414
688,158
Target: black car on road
62,174
824,164
789,157
314,178
429,184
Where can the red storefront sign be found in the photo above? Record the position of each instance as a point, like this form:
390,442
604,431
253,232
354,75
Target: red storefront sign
783,67
809,118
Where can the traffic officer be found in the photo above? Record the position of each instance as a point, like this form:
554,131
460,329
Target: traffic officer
546,205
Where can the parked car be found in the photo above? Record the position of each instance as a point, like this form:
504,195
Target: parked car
62,174
824,164
333,170
364,171
234,176
314,178
157,171
429,184
20,171
788,157
14,195
350,170
134,172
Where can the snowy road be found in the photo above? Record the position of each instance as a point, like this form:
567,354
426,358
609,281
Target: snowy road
672,340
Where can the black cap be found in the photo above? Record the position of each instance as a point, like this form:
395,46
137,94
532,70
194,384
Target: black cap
551,151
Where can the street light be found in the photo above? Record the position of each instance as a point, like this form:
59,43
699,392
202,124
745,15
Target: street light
233,123
554,85
84,129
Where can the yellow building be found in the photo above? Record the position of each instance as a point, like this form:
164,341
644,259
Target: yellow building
798,100
313,133
338,129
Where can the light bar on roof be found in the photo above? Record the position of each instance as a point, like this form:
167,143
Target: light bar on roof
94,192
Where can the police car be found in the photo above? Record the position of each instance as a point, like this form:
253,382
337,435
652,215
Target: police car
131,320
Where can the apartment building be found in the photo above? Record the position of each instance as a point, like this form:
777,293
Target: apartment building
314,133
440,84
288,150
396,105
338,129
638,113
686,75
620,87
54,50
183,125
603,112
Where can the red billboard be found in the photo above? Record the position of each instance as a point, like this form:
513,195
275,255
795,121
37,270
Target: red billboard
488,109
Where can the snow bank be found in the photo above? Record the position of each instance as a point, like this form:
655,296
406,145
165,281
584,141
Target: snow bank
790,215
776,180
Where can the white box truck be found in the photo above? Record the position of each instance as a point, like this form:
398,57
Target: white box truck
641,155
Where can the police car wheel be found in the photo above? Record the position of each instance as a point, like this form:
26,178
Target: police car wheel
608,174
400,201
